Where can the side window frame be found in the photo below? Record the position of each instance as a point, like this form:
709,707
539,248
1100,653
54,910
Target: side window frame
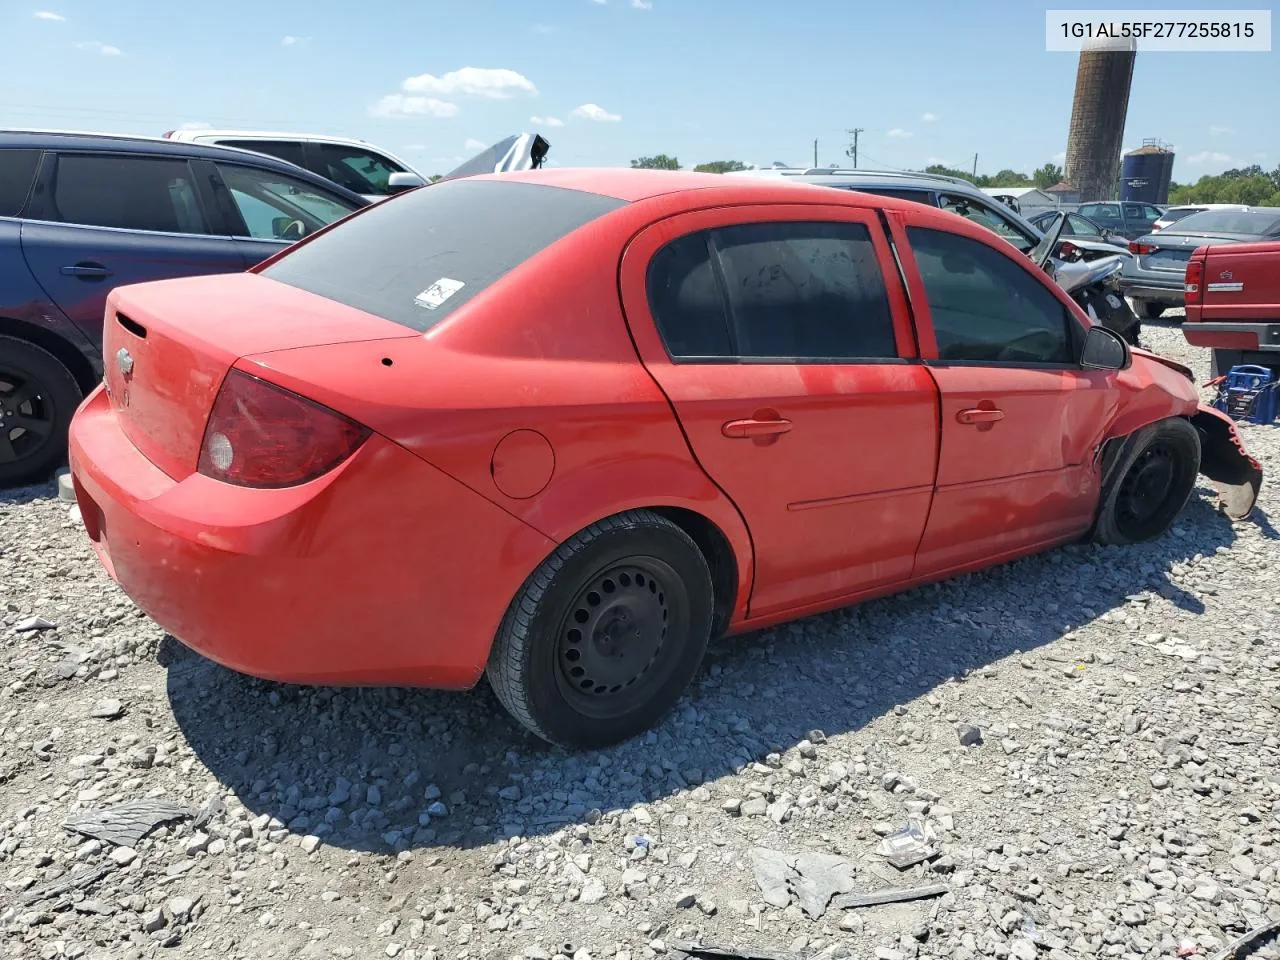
904,333
923,316
41,205
28,197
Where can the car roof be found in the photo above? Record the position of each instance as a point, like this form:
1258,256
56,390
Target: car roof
632,185
264,134
158,146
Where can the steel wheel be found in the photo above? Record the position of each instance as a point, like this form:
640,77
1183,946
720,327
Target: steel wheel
1151,483
612,639
1145,488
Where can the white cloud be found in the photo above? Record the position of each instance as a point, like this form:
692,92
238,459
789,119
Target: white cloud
1221,131
97,46
1059,157
593,111
474,144
48,15
492,84
928,117
546,121
293,41
1209,156
398,105
195,125
897,133
641,4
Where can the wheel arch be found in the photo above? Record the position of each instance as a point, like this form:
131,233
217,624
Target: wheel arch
720,557
66,353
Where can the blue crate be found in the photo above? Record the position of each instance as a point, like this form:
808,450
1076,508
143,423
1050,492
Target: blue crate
1249,393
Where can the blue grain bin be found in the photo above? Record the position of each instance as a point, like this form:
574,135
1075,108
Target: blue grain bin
1145,175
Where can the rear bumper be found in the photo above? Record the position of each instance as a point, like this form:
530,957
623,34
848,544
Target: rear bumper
1156,290
1233,336
384,571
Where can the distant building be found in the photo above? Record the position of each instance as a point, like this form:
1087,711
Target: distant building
1063,192
1030,199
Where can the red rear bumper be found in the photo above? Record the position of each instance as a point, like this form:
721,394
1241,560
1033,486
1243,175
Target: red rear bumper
384,571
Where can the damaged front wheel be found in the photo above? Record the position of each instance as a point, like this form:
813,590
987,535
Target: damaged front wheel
1150,484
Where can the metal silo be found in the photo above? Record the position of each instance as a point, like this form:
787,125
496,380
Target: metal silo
1146,173
1097,117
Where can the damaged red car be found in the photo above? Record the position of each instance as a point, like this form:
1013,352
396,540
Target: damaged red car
563,427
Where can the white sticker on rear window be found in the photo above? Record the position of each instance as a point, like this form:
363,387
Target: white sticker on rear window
438,293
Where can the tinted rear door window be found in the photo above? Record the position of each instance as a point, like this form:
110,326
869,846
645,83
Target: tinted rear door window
687,301
130,192
17,170
416,258
805,291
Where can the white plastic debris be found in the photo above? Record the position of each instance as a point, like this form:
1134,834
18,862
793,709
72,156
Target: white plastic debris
35,623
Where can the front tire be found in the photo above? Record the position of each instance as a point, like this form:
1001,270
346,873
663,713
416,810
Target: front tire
606,635
1151,484
38,395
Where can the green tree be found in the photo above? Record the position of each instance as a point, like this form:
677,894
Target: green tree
1047,176
1248,186
719,166
659,162
434,177
1006,178
939,170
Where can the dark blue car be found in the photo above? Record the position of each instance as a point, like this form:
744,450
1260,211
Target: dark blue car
81,214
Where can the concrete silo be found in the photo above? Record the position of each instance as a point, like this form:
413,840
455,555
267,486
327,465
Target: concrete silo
1097,117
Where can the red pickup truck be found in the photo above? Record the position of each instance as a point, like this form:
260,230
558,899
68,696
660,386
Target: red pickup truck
1233,304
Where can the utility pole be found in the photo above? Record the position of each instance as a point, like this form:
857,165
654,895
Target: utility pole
975,164
853,149
815,153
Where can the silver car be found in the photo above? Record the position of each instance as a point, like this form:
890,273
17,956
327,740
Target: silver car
947,193
1154,279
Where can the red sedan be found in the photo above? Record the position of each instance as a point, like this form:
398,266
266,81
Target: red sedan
562,427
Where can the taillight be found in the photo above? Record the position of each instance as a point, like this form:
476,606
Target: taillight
1191,286
1068,250
1141,248
262,435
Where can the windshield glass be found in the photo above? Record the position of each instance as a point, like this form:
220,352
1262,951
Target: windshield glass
1261,222
417,257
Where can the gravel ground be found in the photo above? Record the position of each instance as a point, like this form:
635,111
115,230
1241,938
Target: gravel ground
1124,800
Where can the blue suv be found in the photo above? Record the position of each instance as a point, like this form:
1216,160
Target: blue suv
81,214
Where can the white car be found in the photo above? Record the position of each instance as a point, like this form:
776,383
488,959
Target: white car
1174,214
357,165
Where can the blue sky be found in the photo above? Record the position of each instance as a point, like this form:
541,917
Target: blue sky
610,80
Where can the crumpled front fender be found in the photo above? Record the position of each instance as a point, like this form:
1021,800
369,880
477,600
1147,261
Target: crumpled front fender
1223,459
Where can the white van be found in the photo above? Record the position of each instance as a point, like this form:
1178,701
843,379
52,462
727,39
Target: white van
355,164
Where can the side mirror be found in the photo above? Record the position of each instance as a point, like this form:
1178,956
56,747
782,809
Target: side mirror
403,180
1105,350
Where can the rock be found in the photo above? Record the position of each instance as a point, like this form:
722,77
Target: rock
153,920
1160,781
593,891
106,709
1020,948
180,908
755,807
123,855
310,843
969,735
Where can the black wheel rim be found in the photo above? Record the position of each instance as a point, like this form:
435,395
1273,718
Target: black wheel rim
618,641
26,416
1147,490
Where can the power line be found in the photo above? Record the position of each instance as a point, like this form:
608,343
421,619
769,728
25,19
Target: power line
853,148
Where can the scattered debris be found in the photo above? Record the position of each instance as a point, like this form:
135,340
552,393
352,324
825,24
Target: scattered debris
906,847
695,951
213,807
34,624
125,825
1251,942
80,879
812,878
852,901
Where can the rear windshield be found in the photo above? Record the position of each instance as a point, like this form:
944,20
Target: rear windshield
1261,222
416,258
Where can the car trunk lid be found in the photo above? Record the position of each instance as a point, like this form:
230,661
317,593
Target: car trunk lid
168,345
1172,251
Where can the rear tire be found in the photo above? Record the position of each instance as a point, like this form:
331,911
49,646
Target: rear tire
38,395
606,635
1151,484
1151,309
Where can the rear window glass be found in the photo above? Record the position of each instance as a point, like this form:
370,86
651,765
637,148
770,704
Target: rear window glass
17,170
416,258
1232,221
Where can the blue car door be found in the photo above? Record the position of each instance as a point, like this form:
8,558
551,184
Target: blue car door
267,209
102,220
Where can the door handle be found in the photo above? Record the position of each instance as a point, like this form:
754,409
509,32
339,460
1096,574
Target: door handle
745,429
979,415
87,270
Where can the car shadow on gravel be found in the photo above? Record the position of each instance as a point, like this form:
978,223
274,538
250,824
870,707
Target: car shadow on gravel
18,496
392,769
